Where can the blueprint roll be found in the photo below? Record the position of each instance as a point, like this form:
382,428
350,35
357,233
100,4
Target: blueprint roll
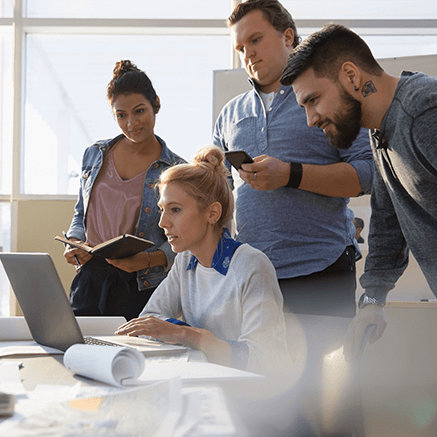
118,366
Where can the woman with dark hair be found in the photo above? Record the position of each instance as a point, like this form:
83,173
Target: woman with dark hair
117,197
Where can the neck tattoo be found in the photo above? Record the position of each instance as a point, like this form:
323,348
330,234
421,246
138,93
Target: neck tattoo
368,88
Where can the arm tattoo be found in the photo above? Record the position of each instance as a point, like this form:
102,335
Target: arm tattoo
368,88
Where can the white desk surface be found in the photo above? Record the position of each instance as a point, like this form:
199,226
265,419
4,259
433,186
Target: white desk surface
397,379
49,370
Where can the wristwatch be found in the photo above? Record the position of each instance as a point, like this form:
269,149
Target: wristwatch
366,300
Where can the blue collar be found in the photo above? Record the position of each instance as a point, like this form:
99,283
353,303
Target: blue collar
222,255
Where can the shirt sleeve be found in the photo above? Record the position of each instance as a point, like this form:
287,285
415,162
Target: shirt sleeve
77,229
360,157
170,255
165,302
263,325
388,252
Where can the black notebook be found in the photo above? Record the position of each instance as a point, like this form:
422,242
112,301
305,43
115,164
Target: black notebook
122,246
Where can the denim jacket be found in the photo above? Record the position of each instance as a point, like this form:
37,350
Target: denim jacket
147,226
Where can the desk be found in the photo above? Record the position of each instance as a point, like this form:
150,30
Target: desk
51,371
398,384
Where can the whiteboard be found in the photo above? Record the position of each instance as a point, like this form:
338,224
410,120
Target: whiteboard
230,83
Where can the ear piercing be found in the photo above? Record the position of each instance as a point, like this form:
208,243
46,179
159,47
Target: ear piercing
356,88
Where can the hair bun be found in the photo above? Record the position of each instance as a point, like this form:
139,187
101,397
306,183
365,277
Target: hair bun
212,162
123,66
211,157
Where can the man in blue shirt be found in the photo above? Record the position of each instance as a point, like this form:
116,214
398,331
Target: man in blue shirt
292,203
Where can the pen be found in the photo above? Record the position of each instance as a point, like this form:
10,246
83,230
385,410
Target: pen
75,256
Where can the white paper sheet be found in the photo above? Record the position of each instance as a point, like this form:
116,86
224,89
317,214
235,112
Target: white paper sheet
151,411
206,414
119,366
10,381
193,371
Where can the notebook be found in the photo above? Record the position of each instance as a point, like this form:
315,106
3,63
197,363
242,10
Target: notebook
48,313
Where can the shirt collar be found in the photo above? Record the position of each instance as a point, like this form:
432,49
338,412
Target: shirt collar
380,141
222,255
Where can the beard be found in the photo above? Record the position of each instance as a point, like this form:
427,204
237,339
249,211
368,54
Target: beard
346,121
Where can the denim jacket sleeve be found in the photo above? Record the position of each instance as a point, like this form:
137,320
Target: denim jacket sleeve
91,164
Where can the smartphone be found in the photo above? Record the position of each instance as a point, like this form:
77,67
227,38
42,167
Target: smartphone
238,157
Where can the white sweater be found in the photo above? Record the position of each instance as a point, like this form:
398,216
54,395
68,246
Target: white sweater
245,306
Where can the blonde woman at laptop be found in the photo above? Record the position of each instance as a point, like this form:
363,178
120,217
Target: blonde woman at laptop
117,197
221,297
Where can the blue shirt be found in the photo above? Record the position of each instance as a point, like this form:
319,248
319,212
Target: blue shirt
222,255
147,226
301,232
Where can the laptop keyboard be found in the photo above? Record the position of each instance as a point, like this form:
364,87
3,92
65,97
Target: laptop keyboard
98,342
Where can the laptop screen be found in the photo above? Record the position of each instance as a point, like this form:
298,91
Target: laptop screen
42,299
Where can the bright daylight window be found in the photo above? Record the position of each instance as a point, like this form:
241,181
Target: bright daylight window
186,9
66,108
5,112
5,245
361,10
74,70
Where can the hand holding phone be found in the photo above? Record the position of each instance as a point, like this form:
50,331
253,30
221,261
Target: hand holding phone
238,157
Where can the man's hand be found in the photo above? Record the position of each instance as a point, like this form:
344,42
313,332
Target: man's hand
266,173
369,315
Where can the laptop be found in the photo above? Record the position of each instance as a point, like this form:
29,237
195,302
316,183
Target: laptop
15,328
48,313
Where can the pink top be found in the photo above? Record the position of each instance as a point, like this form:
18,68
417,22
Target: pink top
115,203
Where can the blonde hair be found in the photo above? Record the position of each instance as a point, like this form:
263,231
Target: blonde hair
205,180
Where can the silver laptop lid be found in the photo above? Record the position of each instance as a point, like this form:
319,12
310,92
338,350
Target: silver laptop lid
42,299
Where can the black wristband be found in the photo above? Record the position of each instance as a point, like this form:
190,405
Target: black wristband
295,175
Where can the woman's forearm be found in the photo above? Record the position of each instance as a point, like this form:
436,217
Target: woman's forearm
217,351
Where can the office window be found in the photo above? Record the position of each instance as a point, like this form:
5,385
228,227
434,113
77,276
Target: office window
6,8
5,112
386,46
66,108
5,246
370,10
186,9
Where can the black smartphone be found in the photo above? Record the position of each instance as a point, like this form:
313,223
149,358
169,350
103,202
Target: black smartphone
238,157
